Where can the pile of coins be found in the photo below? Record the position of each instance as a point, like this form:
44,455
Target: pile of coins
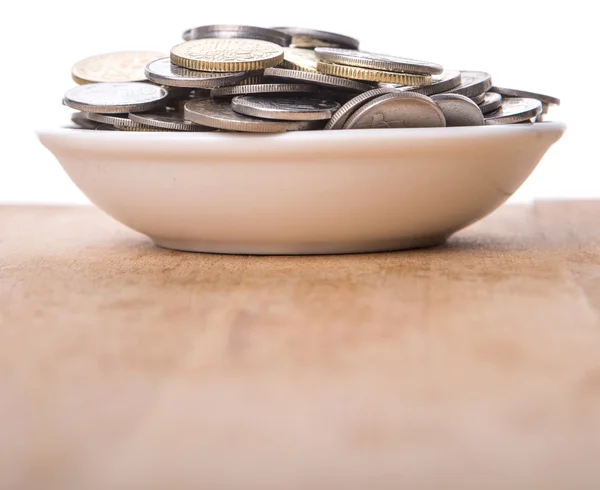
245,78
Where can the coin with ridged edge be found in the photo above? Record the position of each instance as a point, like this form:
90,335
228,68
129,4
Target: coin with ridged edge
121,66
173,121
448,80
473,83
116,98
230,31
298,108
264,88
376,61
120,120
227,55
491,102
510,92
369,75
219,114
515,110
398,110
163,72
313,38
318,78
459,110
340,117
299,59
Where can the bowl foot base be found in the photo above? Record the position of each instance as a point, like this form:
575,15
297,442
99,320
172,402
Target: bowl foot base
299,248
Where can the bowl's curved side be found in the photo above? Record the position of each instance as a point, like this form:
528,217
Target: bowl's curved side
354,192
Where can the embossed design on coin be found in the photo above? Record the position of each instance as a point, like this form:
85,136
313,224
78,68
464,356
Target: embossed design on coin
115,98
491,102
398,110
238,31
219,114
227,55
473,84
163,72
459,110
371,75
264,88
173,121
511,92
340,117
312,38
376,61
122,66
318,78
515,110
299,59
302,108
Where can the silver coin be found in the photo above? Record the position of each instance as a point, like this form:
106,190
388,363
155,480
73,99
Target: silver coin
116,98
163,72
312,38
473,83
515,110
219,114
478,99
238,31
117,120
318,78
300,108
264,88
398,110
168,120
459,110
448,80
374,61
340,117
82,120
491,102
509,92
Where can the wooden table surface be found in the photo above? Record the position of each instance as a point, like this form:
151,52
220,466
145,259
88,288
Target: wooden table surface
470,366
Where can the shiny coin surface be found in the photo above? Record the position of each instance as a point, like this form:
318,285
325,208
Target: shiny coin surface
473,83
219,114
116,98
299,108
370,75
83,121
375,61
264,88
173,121
398,110
238,31
312,38
448,80
459,110
509,92
342,115
478,99
163,72
318,78
227,55
299,59
515,110
117,120
491,102
122,66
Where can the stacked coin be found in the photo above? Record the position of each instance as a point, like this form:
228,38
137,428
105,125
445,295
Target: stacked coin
255,79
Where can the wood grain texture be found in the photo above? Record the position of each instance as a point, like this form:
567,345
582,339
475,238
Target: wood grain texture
469,366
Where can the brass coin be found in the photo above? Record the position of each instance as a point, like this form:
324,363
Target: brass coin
123,66
299,59
369,75
226,55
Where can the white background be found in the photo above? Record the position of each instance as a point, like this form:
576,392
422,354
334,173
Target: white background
540,46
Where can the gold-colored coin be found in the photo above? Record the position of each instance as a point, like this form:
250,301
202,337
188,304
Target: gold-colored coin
227,55
122,66
299,59
369,75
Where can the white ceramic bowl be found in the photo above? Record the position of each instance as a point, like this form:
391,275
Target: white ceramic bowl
301,193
